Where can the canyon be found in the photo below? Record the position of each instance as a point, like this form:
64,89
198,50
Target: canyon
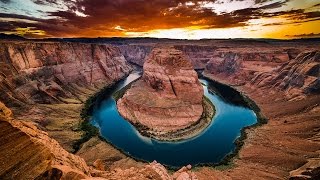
168,97
45,85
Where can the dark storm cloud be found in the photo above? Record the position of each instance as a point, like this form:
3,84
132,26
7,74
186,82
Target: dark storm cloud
274,5
43,2
310,35
17,16
5,1
317,5
145,15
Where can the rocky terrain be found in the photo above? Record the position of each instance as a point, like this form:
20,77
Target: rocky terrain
54,72
136,53
289,97
298,77
168,97
46,83
29,153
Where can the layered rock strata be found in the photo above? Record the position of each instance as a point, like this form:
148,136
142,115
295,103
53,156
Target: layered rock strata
56,72
29,153
135,53
169,95
297,78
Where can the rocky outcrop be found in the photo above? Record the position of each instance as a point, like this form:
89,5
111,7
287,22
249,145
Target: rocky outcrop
199,55
135,53
310,170
28,153
298,77
230,63
43,72
169,95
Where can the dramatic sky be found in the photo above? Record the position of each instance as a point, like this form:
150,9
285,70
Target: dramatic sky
184,19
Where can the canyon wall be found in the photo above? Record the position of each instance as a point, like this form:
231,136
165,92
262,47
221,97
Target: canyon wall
299,77
29,153
199,55
208,56
169,95
135,54
53,79
56,72
48,82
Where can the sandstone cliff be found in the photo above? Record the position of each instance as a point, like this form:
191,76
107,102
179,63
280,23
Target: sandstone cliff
56,72
136,54
199,55
28,153
169,95
297,78
270,152
47,82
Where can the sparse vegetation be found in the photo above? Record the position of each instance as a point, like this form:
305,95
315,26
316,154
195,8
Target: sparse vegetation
89,130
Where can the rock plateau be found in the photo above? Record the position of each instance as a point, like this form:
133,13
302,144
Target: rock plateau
169,95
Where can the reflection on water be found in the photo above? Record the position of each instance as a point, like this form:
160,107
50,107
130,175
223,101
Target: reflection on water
210,146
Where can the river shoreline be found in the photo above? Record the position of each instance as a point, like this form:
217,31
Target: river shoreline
227,160
183,134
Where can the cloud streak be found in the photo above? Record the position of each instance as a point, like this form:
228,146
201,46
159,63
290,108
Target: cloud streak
92,18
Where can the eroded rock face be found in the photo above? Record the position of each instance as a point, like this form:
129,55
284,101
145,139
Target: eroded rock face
54,72
28,153
229,63
169,95
297,78
310,170
135,53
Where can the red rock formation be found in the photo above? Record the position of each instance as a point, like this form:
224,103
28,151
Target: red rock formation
28,153
199,55
297,77
136,54
169,95
53,72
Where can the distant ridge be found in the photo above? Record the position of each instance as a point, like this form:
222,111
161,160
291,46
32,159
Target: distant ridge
126,40
11,37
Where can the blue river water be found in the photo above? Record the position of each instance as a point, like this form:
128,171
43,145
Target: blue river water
210,146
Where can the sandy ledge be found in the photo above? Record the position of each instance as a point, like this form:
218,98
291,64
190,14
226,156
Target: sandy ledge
182,134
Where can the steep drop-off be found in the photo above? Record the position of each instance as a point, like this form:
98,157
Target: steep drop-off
136,54
29,153
47,82
289,141
297,78
168,97
56,72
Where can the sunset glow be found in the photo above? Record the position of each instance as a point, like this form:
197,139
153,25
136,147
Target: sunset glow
181,19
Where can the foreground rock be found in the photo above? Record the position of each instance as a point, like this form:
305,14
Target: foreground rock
29,153
168,97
